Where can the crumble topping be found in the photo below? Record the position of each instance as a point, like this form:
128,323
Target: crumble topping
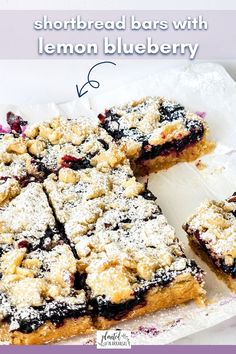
11,145
9,188
15,217
61,131
61,137
149,114
26,284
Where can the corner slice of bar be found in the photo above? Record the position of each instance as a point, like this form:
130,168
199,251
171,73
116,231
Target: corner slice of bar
41,298
212,235
41,292
17,167
157,133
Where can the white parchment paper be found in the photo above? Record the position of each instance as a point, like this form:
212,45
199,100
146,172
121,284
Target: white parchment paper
179,190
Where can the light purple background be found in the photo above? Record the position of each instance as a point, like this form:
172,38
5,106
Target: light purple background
18,39
61,78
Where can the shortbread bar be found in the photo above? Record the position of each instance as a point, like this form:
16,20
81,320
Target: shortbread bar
83,243
130,257
212,234
157,133
41,298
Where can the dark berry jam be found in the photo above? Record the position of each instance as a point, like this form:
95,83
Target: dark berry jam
50,238
41,172
171,112
80,280
229,269
104,144
15,122
102,118
41,168
4,178
75,163
23,244
112,311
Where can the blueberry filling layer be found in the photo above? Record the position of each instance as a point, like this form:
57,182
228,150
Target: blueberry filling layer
40,174
196,132
41,168
104,144
110,122
112,311
28,320
218,262
25,180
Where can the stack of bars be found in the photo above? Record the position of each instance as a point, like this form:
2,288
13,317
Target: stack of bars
83,245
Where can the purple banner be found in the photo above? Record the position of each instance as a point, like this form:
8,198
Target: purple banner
136,34
167,349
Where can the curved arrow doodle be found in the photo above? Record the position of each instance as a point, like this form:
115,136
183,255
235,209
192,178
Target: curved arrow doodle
93,83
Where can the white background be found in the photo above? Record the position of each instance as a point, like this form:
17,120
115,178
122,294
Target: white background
42,81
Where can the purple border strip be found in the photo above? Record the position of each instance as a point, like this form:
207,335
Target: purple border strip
20,40
167,349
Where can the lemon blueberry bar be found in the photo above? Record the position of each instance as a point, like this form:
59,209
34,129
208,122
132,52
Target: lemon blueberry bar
38,269
157,133
130,257
212,234
83,243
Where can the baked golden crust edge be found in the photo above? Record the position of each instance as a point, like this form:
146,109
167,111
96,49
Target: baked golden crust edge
185,288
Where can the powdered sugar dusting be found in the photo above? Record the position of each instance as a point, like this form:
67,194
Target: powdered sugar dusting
99,209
